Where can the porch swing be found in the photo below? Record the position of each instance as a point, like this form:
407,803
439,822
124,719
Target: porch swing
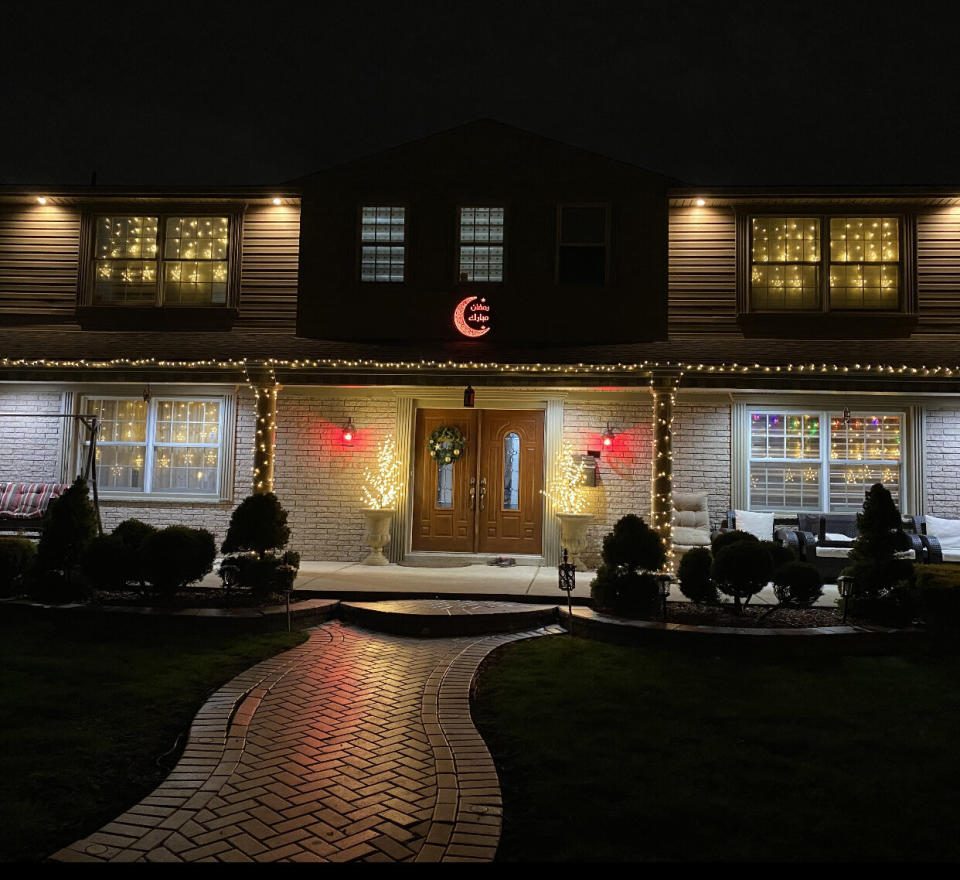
23,505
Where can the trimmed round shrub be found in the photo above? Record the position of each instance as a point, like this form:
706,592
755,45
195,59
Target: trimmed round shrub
780,554
797,584
258,524
723,539
634,545
939,587
17,556
694,574
741,569
627,593
105,563
176,556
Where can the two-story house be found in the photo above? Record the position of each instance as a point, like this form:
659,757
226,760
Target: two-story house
781,349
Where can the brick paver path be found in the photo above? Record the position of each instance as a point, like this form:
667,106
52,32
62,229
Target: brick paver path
353,746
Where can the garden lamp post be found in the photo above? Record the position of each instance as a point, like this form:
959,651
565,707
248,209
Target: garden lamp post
229,574
845,587
285,576
568,582
664,580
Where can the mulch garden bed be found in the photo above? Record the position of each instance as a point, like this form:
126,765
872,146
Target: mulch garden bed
753,616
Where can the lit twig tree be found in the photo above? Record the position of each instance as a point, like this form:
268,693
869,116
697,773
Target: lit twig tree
383,485
566,486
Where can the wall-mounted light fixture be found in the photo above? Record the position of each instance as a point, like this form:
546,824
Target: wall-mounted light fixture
278,201
700,203
608,438
147,394
41,200
348,431
469,396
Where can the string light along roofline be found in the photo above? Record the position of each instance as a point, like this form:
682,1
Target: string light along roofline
493,367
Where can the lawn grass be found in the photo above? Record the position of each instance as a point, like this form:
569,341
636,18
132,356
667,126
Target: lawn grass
681,753
90,704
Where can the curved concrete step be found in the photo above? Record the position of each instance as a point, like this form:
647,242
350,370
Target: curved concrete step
447,617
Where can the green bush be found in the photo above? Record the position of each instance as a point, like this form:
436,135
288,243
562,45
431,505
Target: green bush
259,524
112,561
105,563
634,545
694,575
741,569
17,556
625,583
797,584
69,525
176,556
780,554
939,588
897,606
723,539
873,564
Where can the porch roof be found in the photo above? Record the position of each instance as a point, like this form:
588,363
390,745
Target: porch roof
64,355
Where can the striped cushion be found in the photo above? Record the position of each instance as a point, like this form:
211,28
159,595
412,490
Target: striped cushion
28,500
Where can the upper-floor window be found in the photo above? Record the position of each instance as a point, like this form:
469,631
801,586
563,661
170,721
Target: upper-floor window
382,243
825,263
171,260
582,245
481,244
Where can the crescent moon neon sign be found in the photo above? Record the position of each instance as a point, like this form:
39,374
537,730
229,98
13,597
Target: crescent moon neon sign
479,317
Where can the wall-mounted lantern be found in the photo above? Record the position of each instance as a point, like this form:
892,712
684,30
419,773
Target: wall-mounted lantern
348,431
608,438
468,396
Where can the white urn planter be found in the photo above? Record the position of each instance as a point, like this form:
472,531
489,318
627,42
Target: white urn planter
573,535
378,535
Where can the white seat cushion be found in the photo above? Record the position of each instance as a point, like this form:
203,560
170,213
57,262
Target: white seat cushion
947,532
688,537
754,522
844,552
838,538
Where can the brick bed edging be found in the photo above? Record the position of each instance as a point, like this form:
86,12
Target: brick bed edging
468,816
466,821
214,745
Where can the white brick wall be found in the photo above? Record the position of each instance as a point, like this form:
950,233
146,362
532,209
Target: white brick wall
30,447
942,454
318,478
701,453
623,475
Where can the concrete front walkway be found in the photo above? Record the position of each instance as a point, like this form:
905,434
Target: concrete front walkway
353,746
469,580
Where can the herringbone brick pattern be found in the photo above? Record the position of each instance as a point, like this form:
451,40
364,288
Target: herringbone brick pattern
354,746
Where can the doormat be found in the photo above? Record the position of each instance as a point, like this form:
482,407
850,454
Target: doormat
434,563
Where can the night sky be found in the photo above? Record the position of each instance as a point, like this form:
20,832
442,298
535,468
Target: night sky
719,92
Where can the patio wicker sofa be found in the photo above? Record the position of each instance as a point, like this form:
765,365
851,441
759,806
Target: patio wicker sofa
940,538
825,539
768,527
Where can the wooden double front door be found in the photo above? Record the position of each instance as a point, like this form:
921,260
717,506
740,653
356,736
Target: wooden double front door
488,500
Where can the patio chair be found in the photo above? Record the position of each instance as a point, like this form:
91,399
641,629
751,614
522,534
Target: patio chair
836,533
691,521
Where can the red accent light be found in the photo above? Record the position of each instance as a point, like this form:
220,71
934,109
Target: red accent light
348,431
608,437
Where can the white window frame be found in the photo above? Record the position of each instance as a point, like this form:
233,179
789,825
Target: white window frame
826,414
224,448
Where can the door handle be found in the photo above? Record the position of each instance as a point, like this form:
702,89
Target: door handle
483,491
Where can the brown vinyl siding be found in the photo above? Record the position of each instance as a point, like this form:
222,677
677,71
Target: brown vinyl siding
938,271
702,272
269,269
39,260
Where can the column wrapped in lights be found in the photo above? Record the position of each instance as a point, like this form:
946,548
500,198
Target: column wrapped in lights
664,389
265,388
